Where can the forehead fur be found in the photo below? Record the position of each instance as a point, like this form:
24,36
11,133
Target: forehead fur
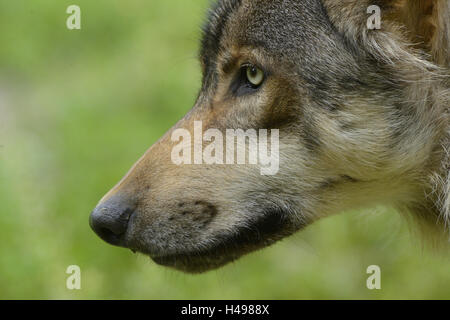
295,33
287,28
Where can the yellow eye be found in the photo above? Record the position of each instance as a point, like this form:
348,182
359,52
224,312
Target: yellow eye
255,75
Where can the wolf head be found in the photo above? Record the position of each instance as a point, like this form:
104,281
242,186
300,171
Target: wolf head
361,117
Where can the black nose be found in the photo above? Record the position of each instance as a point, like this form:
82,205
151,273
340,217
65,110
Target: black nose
110,219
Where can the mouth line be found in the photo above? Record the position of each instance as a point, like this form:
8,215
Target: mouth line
228,249
263,231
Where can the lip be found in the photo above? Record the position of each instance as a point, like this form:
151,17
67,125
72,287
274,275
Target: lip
191,263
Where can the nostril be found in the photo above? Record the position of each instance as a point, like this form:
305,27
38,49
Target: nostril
109,235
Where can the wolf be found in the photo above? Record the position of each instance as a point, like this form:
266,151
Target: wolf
363,120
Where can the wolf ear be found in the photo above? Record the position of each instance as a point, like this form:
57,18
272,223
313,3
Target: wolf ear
426,24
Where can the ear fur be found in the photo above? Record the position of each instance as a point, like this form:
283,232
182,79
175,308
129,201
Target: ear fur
426,24
422,24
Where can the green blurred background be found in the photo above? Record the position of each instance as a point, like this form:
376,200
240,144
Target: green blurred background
79,107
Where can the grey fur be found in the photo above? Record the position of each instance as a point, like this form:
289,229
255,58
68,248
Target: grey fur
363,118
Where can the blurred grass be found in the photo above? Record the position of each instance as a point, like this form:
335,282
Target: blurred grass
77,109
